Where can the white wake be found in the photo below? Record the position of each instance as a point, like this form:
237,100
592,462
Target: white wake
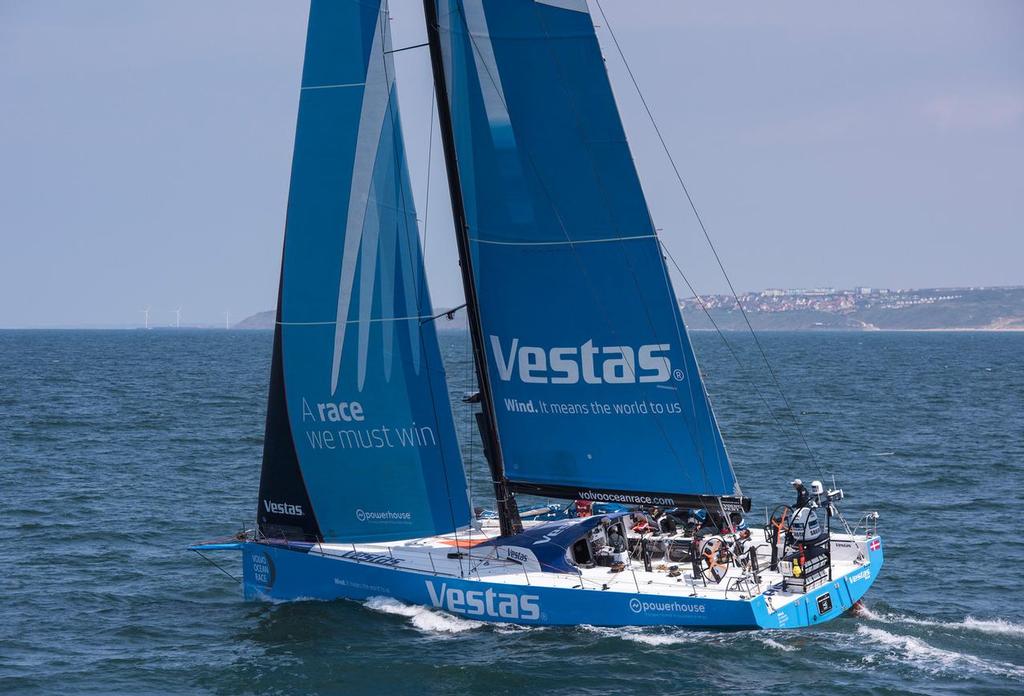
647,635
422,618
936,660
991,626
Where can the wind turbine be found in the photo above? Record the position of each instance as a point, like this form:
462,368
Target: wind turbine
177,317
145,312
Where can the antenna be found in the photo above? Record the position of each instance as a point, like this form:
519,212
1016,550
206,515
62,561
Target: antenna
227,318
177,317
145,312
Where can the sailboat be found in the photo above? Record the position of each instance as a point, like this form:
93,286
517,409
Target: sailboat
589,390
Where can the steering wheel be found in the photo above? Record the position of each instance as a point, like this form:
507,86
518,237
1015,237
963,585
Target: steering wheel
715,559
778,523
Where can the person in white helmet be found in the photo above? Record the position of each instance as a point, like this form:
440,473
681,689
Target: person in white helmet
802,496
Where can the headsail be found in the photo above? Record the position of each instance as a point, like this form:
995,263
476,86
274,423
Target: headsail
360,442
595,387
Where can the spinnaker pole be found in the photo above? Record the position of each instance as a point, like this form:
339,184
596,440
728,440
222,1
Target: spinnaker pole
508,511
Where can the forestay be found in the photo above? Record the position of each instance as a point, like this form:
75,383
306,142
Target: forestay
595,385
360,444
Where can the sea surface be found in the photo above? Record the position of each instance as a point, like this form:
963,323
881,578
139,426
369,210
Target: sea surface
118,449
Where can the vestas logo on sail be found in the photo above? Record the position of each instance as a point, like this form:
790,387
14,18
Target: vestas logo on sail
592,364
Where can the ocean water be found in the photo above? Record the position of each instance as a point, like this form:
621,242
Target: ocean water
118,449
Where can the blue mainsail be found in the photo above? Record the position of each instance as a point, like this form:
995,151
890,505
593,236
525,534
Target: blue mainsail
360,440
594,383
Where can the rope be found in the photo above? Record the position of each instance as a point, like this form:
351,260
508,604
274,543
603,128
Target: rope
215,565
400,186
728,345
707,237
407,48
450,313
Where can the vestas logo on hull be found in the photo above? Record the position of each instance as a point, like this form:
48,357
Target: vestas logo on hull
283,508
862,575
487,603
592,364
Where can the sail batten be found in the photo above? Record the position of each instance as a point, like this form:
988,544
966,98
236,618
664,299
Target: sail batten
360,407
595,384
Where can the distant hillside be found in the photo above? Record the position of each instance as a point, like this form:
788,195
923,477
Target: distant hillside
860,309
261,320
864,309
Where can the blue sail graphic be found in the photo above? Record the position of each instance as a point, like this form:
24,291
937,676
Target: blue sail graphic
362,377
595,385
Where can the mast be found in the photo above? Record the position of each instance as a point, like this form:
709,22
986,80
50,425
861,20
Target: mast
508,512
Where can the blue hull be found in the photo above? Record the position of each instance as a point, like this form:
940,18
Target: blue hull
279,573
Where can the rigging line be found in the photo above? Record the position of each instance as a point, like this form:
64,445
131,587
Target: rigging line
707,236
508,512
570,242
728,345
376,320
693,430
215,564
449,313
426,193
407,48
400,185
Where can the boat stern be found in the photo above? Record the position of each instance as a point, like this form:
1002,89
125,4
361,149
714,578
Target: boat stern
777,610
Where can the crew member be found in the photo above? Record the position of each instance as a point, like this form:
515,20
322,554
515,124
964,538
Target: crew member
641,525
745,554
584,508
741,547
697,521
695,558
802,496
617,542
665,522
615,539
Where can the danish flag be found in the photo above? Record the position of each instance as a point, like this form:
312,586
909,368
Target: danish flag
876,544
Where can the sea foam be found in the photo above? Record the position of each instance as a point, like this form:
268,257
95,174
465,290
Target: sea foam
928,658
422,618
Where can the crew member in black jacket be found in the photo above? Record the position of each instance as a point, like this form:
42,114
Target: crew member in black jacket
802,496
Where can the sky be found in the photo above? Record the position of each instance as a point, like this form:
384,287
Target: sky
145,147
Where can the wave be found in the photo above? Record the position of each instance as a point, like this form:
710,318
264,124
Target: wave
936,660
647,636
996,626
659,637
969,623
422,618
776,645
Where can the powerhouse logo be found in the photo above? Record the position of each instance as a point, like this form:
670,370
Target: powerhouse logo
639,606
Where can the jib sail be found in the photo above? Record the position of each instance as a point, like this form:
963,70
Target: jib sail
360,443
594,384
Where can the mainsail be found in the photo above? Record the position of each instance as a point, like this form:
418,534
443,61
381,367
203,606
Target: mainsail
594,386
360,443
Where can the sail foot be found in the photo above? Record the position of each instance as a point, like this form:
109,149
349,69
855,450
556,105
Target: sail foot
727,504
